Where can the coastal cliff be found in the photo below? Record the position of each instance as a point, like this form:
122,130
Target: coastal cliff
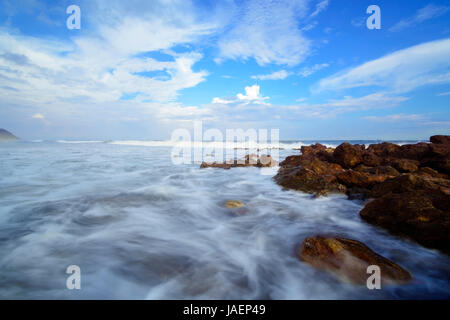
7,136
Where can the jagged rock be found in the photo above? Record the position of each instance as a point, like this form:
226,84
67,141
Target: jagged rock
410,183
309,175
348,260
405,165
348,155
431,173
352,178
384,150
421,215
380,170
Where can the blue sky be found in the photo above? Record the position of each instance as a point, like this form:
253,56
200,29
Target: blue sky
141,69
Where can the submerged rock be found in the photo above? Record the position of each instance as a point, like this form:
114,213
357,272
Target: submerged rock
348,260
231,204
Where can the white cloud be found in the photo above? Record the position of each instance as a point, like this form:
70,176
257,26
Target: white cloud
251,96
277,75
307,71
426,13
334,107
396,118
401,71
268,32
38,116
321,6
444,94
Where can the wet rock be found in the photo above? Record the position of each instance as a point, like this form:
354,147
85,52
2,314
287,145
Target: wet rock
251,160
309,175
348,260
231,204
348,155
440,139
352,178
380,170
410,183
420,215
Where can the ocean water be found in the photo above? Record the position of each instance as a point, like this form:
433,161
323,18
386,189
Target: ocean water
140,227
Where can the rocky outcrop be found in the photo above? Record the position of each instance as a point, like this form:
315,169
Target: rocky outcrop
309,174
7,136
348,260
251,160
408,184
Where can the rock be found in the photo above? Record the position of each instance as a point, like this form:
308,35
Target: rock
440,139
431,173
380,170
251,160
438,158
231,204
309,175
352,178
348,260
413,151
371,160
410,183
314,149
419,215
348,155
405,165
5,136
384,150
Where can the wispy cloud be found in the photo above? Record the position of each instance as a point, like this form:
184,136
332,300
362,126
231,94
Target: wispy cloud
321,6
396,118
307,71
444,94
426,13
277,75
401,71
255,35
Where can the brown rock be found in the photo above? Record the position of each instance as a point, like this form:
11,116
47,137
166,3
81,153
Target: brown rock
420,215
383,150
352,178
413,151
404,165
409,183
431,173
370,159
440,139
348,155
348,260
309,175
380,170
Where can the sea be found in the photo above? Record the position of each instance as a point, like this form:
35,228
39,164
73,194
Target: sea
139,226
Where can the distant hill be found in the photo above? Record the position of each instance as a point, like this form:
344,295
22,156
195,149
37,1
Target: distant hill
5,135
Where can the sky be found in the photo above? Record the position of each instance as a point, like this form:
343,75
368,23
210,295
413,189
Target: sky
142,69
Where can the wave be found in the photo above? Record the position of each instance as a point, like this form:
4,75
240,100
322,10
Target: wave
79,141
214,144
